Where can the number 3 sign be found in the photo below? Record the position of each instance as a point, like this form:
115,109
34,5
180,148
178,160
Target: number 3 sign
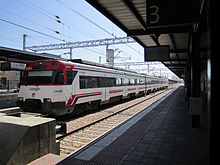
154,14
172,12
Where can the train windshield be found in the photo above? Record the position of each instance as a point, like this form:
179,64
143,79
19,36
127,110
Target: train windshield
43,77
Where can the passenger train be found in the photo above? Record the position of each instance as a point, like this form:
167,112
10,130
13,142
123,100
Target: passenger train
58,88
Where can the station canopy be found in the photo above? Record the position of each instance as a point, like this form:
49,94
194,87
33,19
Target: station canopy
158,24
20,56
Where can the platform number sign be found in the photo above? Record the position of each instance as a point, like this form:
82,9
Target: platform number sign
172,12
154,12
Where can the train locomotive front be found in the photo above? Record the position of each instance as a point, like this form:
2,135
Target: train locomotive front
46,87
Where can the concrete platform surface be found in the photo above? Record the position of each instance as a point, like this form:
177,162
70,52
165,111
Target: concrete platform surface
49,159
160,135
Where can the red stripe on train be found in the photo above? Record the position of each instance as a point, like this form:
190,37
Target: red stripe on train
74,98
115,91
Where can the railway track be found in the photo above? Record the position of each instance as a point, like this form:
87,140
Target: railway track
92,127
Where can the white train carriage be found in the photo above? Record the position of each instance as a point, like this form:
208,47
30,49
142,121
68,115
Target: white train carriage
59,87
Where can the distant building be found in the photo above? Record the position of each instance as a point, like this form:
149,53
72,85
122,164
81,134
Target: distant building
11,79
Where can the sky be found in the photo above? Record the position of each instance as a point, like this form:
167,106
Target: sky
59,21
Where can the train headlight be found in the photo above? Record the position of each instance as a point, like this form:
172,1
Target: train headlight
47,100
20,98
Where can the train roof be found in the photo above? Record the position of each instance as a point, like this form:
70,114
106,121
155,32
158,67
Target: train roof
80,61
85,62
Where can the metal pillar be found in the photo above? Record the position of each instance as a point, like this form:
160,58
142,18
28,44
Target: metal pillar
107,60
71,53
188,76
195,65
195,100
24,41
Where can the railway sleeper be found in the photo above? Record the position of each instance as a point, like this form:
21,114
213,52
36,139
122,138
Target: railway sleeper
97,130
100,126
72,145
109,124
84,135
83,140
96,133
65,151
70,149
73,141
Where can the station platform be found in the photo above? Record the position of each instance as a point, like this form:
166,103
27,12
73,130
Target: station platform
161,134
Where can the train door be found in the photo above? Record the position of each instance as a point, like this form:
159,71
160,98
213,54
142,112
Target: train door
59,87
107,88
71,84
145,84
125,83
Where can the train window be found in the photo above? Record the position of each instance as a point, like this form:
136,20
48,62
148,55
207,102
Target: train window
101,81
90,82
107,82
113,82
141,81
125,81
60,78
57,76
118,82
47,73
93,82
70,76
83,82
110,82
38,77
132,81
96,82
148,81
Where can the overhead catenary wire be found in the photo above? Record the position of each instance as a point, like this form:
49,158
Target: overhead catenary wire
81,15
40,8
55,31
43,26
59,20
27,28
21,26
35,9
56,17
